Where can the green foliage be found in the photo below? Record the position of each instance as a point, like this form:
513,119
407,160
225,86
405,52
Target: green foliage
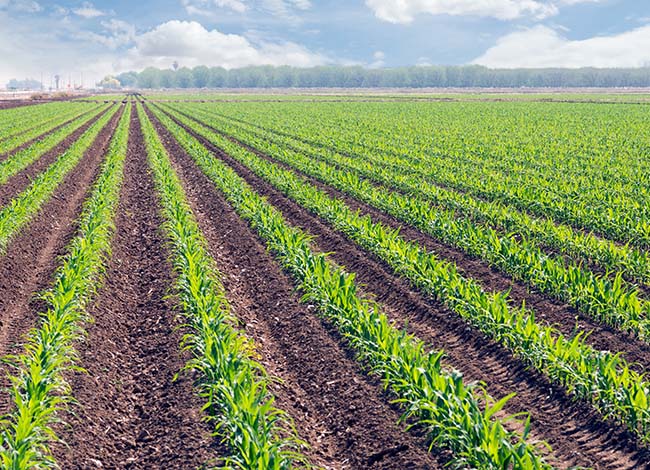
431,396
600,377
233,384
39,390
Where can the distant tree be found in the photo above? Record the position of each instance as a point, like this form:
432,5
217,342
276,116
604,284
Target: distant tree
128,79
109,82
184,78
218,77
26,84
201,76
149,78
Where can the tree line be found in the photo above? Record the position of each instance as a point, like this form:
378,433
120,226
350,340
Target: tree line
399,77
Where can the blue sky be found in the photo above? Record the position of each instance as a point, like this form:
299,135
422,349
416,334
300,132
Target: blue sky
102,37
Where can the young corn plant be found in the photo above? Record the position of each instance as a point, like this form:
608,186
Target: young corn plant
22,159
21,209
234,385
611,301
432,397
600,377
633,263
39,390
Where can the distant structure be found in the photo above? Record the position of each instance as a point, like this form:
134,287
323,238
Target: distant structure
57,78
175,65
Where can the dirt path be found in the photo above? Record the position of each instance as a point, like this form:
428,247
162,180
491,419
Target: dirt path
577,434
131,413
341,412
549,310
22,179
32,258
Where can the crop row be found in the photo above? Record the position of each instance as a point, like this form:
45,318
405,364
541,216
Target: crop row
633,263
39,390
18,119
602,378
432,396
596,183
25,157
25,205
611,302
40,124
233,384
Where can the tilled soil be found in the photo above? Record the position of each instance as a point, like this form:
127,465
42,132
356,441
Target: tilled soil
21,180
576,432
132,414
24,145
339,411
32,258
565,318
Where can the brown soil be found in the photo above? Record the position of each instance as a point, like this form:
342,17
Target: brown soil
576,432
567,319
21,180
32,258
132,414
26,144
342,413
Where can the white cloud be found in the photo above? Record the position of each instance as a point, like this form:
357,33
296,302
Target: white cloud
23,6
201,7
116,33
88,10
542,46
405,11
280,8
189,43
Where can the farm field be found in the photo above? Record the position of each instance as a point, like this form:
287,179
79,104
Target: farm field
341,281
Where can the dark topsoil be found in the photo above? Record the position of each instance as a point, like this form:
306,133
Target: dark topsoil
577,434
339,411
132,414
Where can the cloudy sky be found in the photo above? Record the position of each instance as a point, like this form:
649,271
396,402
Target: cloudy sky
101,37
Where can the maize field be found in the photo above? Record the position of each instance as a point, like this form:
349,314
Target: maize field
203,280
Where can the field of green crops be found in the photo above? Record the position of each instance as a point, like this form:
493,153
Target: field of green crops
326,281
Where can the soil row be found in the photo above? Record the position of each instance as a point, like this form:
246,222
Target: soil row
26,144
566,318
18,182
131,411
31,259
578,435
342,413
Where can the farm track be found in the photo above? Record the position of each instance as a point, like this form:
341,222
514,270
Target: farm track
576,432
32,258
22,179
549,310
24,145
131,413
342,413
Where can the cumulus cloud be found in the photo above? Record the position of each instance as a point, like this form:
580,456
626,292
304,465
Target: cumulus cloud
542,46
189,43
23,6
202,7
405,11
88,10
115,33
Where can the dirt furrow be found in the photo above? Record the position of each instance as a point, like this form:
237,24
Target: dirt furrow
26,144
341,412
567,319
132,414
576,432
32,258
21,180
